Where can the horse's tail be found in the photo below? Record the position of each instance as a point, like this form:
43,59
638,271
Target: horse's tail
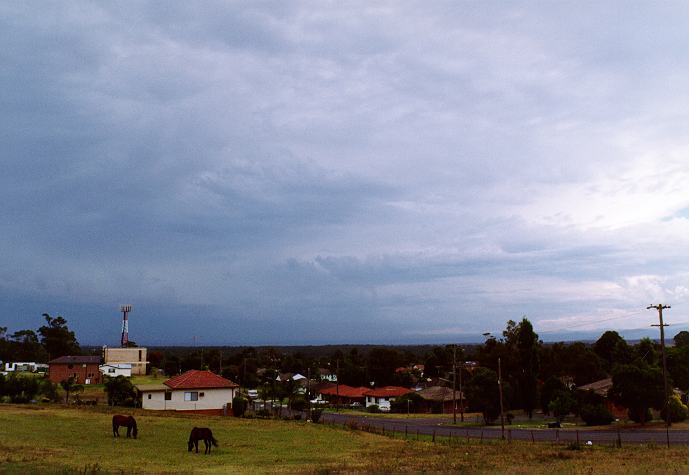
215,442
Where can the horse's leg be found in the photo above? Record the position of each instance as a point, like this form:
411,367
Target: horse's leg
129,431
196,444
208,446
115,430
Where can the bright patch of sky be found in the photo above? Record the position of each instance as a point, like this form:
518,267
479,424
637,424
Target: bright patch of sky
308,172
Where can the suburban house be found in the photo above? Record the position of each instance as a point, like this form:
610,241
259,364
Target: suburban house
382,397
135,356
84,369
439,399
195,391
114,370
344,395
601,388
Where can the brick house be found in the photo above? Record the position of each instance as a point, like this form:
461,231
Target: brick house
200,392
84,369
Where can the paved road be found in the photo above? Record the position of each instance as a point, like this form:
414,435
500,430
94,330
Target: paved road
443,428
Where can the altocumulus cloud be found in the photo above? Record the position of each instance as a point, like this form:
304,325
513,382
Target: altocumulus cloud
299,172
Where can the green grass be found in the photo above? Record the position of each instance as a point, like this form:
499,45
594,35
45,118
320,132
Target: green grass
53,439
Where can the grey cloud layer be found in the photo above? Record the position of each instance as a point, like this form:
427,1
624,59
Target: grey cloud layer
301,172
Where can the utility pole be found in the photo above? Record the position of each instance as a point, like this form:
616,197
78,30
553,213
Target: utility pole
337,385
502,411
661,325
461,391
454,384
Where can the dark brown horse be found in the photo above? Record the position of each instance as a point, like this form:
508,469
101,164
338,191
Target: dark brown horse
201,433
125,421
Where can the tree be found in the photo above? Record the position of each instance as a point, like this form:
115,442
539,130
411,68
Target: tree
120,391
678,366
26,346
612,350
638,387
682,339
57,339
549,391
70,386
523,342
410,402
484,394
676,409
563,404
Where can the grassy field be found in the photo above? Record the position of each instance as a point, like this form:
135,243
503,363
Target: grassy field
54,439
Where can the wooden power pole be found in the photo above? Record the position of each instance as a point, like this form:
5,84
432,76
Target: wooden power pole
661,325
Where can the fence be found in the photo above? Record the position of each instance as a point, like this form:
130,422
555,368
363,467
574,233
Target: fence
452,434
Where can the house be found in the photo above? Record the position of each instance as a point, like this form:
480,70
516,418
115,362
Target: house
439,399
196,391
382,397
135,356
83,369
116,369
344,395
601,388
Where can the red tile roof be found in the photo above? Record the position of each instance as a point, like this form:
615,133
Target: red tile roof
387,391
345,391
196,379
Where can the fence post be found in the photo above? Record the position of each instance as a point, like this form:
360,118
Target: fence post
405,432
532,438
467,432
481,439
433,435
577,436
509,435
557,435
417,434
619,439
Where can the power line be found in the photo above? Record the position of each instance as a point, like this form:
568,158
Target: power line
661,325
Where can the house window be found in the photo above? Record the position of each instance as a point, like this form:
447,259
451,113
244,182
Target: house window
140,352
200,394
149,396
111,370
168,395
191,396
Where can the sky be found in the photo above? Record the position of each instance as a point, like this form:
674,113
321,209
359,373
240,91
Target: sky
343,172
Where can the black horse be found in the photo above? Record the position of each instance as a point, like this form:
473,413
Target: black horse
125,421
201,433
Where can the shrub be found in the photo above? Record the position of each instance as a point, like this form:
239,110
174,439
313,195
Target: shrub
239,404
638,415
408,402
316,415
299,403
596,415
678,411
373,409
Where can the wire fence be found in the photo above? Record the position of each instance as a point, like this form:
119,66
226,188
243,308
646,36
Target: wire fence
453,434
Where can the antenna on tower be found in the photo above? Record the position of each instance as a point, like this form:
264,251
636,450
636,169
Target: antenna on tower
125,309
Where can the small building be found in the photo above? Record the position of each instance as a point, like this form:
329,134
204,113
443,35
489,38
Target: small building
382,397
135,356
83,369
196,391
25,366
327,375
114,370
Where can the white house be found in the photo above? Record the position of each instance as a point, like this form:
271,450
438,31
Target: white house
116,369
21,366
194,391
382,397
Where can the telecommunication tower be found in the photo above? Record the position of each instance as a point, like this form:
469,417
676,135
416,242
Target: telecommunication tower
125,309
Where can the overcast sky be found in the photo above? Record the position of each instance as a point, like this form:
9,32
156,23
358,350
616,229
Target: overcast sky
327,172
